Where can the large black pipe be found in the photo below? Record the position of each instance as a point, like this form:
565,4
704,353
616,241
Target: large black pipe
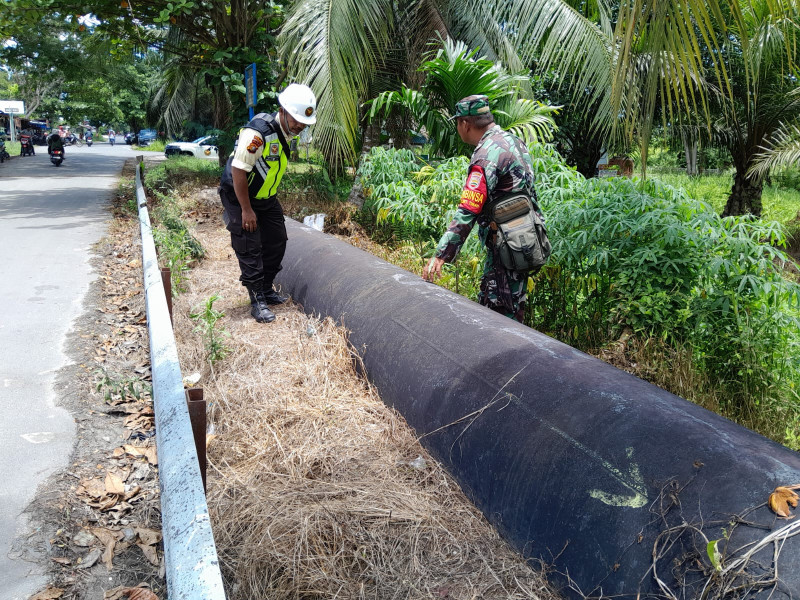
573,460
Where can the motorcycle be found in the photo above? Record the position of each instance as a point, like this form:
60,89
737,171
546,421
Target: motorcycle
112,139
72,140
89,139
26,146
57,157
3,152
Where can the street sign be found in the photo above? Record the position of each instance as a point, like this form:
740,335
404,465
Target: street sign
12,106
251,93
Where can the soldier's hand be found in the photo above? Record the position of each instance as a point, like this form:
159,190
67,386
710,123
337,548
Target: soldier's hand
433,270
249,222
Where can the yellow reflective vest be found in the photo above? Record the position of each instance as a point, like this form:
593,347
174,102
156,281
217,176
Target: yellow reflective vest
263,180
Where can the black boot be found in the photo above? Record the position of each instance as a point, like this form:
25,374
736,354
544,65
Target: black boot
258,306
273,297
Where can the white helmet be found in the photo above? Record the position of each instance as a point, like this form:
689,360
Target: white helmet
299,101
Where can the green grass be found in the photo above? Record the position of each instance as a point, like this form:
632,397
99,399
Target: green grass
178,169
13,148
780,203
154,146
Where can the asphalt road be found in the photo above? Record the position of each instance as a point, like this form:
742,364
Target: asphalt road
49,219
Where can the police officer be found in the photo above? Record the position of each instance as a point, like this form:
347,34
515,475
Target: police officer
253,214
500,164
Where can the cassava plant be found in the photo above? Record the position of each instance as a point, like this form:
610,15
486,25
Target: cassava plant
207,318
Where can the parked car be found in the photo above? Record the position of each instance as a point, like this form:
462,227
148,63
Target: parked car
204,147
145,136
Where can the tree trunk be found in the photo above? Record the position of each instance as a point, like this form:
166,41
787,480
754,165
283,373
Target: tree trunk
690,151
586,163
222,118
745,196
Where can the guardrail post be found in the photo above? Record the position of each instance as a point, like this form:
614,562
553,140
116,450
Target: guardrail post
166,281
197,415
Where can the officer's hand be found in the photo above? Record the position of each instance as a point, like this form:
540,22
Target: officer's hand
249,222
433,270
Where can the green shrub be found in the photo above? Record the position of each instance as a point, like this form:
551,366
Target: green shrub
408,198
646,256
635,256
177,247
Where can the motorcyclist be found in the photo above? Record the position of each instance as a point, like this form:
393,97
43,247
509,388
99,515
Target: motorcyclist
112,136
26,143
54,142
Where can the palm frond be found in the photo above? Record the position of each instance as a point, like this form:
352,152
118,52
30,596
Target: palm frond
560,39
783,150
527,119
333,46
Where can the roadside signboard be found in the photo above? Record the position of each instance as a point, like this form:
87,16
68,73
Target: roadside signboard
12,107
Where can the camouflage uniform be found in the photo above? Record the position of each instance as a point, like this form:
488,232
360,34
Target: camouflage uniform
500,164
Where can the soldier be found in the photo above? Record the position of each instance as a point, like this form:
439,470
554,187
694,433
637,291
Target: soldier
500,164
253,214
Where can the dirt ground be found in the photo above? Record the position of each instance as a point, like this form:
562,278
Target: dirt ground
96,525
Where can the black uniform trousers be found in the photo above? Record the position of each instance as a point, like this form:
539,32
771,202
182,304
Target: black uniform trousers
260,252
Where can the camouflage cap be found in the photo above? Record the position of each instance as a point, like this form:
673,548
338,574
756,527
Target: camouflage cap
477,104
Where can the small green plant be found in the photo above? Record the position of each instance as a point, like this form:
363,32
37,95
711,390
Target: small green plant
117,389
213,338
177,247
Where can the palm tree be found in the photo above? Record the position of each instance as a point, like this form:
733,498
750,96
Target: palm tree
455,72
339,47
764,94
630,56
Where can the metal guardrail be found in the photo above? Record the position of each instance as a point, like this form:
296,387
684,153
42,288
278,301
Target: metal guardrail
192,566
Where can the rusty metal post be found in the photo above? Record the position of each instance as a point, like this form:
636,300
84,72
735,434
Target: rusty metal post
166,279
197,416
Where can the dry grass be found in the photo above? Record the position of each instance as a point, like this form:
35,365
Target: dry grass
316,488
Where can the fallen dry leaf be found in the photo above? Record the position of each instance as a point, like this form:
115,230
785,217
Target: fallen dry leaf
91,487
133,450
137,593
109,539
151,455
141,594
114,484
51,593
148,536
150,553
132,492
782,498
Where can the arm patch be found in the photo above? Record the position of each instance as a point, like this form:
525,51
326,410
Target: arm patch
255,144
473,196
